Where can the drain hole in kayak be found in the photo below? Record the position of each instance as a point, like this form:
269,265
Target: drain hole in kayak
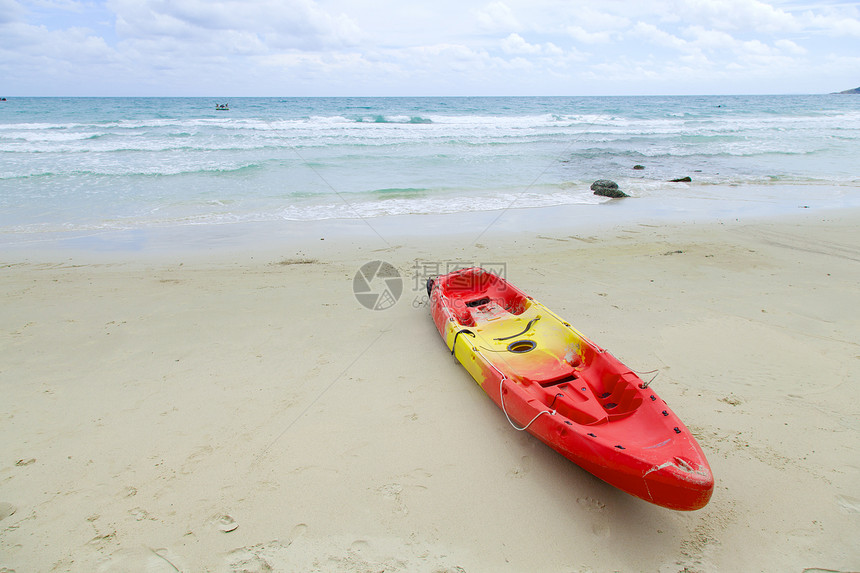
520,346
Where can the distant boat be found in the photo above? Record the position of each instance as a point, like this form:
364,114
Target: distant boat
222,107
2,99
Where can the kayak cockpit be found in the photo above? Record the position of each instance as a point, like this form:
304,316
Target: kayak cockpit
483,296
581,399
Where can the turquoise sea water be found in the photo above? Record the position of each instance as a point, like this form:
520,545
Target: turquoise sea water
85,165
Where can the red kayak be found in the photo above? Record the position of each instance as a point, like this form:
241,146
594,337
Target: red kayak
571,394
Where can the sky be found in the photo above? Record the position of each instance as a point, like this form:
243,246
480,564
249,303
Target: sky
426,48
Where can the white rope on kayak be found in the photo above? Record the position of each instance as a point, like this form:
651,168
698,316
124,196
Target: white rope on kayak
502,379
644,385
511,422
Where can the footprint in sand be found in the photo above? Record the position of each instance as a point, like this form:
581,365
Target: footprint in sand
599,521
265,557
223,522
245,561
140,514
195,458
522,468
393,492
590,504
128,491
143,559
297,531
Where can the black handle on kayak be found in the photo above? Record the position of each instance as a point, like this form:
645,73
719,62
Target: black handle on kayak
459,332
528,327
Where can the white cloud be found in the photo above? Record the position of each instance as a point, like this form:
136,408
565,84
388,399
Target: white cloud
515,44
581,35
790,47
452,46
497,16
289,23
552,50
840,24
735,15
603,17
711,40
654,35
35,44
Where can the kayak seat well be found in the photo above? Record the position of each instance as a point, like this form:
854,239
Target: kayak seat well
477,289
618,395
468,309
571,399
590,392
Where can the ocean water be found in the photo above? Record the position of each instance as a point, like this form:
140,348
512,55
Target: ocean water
84,165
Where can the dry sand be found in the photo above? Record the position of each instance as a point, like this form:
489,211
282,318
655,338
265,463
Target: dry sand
247,414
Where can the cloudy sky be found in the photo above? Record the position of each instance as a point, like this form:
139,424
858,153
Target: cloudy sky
422,47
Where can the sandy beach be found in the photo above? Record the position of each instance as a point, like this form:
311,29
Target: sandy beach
242,411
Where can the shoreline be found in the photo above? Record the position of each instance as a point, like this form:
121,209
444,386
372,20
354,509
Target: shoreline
236,239
236,408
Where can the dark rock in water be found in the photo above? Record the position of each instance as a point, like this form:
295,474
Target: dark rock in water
604,184
638,167
681,180
614,194
607,188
